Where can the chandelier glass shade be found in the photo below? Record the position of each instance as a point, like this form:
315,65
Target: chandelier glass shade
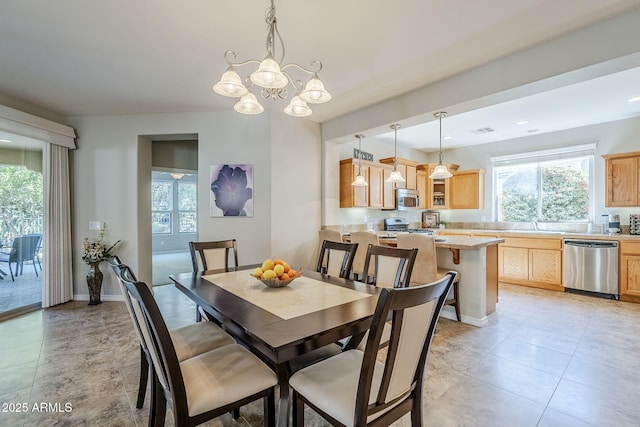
271,78
440,171
395,175
360,180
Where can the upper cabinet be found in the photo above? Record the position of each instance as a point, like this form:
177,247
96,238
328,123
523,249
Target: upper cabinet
378,194
466,189
623,179
408,170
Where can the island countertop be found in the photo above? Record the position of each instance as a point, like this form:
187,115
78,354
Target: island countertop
454,242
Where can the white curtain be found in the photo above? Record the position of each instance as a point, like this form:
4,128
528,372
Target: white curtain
58,279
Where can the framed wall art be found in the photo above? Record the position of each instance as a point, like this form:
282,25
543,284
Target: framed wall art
231,190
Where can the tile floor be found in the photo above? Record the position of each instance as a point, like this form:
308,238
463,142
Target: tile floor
545,359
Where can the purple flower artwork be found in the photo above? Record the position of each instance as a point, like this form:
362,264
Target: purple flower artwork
231,190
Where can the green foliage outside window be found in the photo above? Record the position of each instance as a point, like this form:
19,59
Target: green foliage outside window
21,209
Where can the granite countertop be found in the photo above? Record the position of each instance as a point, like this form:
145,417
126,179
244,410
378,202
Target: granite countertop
454,242
545,233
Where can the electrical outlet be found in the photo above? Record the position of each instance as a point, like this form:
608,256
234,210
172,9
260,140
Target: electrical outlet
95,225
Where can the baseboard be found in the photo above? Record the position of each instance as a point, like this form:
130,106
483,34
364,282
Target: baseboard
85,297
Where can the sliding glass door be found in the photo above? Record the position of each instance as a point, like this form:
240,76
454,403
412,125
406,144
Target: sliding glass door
21,223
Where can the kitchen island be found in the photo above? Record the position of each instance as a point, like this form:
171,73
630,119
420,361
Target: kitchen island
476,259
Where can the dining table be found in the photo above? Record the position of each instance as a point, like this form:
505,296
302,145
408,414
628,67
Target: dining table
281,325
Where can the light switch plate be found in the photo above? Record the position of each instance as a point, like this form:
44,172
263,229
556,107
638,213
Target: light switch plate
95,225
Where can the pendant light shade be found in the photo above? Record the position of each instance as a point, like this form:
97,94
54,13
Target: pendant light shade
268,75
360,181
248,104
395,176
230,84
297,108
440,171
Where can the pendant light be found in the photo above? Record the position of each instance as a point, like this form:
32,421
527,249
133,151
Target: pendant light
440,171
360,181
395,176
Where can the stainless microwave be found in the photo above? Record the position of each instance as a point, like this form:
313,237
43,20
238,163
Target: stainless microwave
406,199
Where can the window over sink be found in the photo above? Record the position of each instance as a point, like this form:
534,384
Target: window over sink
551,186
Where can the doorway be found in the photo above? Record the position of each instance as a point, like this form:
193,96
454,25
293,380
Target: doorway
21,224
174,208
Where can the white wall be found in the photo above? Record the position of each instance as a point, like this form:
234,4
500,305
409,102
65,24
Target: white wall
109,174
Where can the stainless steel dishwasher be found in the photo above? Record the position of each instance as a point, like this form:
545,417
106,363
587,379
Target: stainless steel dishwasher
591,266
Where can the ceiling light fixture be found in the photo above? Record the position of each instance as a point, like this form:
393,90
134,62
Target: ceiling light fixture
634,99
360,181
440,171
395,176
177,175
522,122
272,78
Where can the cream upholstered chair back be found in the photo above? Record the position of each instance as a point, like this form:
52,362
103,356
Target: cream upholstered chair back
384,389
388,267
336,258
213,255
425,269
363,239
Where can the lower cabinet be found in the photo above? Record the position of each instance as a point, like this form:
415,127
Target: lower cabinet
531,262
629,271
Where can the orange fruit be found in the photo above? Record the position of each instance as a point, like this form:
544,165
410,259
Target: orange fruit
292,273
286,267
278,261
284,276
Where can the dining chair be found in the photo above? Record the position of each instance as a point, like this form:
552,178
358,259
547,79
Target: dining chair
363,239
202,387
354,388
336,258
385,266
189,341
23,248
209,256
213,255
426,266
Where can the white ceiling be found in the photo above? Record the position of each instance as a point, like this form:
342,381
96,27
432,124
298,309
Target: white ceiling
91,57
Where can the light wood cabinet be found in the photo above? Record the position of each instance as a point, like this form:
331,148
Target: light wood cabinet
352,196
378,194
466,189
623,179
630,271
408,170
421,185
531,261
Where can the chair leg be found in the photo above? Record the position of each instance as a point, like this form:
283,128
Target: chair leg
160,407
198,315
297,410
11,272
144,376
270,408
456,295
235,414
34,268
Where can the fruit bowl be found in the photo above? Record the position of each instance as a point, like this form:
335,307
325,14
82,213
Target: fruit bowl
276,282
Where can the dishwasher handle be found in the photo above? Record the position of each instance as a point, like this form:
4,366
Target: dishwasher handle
598,244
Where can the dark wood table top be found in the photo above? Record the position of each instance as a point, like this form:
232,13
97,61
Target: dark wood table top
278,339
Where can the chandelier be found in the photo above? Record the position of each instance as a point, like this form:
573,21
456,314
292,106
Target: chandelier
440,171
272,78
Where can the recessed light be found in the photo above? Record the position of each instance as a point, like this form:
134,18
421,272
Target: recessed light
447,137
4,140
522,122
533,130
634,99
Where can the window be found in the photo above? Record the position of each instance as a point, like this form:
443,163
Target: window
553,186
173,204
